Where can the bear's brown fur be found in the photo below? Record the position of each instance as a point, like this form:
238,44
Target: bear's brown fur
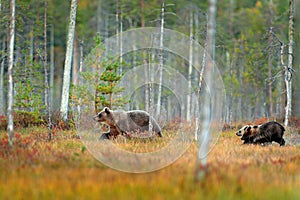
126,123
267,132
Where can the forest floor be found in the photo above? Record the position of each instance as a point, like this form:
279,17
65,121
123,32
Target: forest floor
64,169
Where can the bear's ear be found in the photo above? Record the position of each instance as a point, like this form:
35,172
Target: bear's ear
106,109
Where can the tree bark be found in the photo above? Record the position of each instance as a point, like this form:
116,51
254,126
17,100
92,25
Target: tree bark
289,68
161,58
270,73
68,63
10,109
2,102
203,145
47,97
189,95
51,81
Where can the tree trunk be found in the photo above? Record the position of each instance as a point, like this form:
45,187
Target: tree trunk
2,102
143,13
121,40
161,59
51,66
200,87
203,145
270,73
147,77
75,62
189,95
68,63
47,97
10,109
289,68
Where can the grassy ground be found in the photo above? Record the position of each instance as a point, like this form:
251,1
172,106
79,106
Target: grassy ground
64,169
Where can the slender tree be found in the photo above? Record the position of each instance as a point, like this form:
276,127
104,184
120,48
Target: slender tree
47,89
270,74
10,109
270,65
2,104
289,67
189,95
51,77
161,59
205,132
68,62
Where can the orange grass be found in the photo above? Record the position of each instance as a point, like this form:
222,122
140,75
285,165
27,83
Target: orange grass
64,169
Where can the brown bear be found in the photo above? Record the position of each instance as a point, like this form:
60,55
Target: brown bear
127,123
261,134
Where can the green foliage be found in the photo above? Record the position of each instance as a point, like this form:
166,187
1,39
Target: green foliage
28,103
101,78
241,29
108,86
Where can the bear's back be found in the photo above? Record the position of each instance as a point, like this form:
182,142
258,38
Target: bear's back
272,127
139,117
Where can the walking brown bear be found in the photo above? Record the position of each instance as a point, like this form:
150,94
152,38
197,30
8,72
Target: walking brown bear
127,123
261,134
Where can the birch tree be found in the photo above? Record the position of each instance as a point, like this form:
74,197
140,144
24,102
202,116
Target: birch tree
47,90
289,67
203,146
161,59
68,62
189,95
10,126
51,77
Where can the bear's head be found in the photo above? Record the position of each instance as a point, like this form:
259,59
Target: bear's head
105,115
247,131
243,130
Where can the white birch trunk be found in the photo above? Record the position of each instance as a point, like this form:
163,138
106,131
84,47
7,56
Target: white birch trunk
288,71
51,81
188,106
161,59
68,63
147,76
203,146
121,43
46,92
10,109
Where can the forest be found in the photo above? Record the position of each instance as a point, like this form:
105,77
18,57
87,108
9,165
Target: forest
248,48
62,62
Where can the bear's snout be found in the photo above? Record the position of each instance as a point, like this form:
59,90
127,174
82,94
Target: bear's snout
238,133
96,118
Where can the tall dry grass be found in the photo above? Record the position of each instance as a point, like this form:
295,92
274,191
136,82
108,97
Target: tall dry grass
64,169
